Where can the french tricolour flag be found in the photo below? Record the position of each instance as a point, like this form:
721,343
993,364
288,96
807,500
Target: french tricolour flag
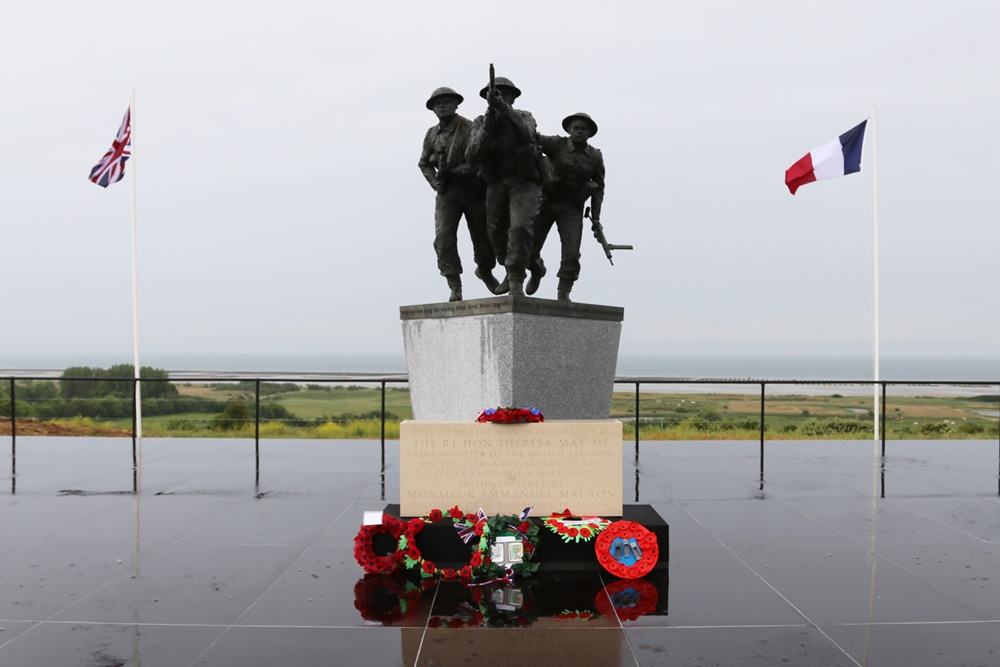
839,157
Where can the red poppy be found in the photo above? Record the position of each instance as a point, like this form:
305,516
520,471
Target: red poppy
585,532
465,572
471,518
524,527
528,547
416,525
434,622
476,560
456,513
572,532
449,573
455,623
478,530
435,515
413,552
429,567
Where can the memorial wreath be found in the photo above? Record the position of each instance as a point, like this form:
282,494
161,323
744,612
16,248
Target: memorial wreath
364,546
572,528
510,416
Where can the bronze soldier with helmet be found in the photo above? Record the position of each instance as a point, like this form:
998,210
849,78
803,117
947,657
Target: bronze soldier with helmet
579,175
502,144
459,190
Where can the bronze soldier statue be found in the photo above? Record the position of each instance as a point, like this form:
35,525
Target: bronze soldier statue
459,192
579,175
502,145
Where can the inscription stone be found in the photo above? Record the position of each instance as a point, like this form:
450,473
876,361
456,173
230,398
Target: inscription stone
503,468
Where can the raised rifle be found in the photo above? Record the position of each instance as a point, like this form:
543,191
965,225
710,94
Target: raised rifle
491,96
598,230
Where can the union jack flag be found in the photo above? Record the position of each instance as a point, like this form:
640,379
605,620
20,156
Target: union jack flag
111,168
467,530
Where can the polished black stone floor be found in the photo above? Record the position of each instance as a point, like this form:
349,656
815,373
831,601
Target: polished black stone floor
225,558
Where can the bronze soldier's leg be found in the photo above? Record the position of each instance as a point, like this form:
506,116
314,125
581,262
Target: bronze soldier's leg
474,201
543,223
570,224
498,219
447,214
525,202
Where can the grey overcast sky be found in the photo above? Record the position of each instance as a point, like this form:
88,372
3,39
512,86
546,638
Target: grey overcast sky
281,210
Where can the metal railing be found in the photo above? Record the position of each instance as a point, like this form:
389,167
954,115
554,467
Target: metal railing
384,380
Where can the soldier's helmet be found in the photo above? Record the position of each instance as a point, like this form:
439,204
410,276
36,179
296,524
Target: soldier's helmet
501,82
580,116
441,92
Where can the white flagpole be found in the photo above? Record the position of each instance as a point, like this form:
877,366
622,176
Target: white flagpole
135,295
877,377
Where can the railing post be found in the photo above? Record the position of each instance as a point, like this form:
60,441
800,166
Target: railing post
135,423
761,436
637,421
383,425
256,420
883,419
13,415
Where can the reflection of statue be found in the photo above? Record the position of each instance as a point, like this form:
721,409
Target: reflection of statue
459,192
502,145
579,175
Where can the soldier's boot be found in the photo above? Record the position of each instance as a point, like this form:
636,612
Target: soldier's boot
515,280
503,287
486,275
534,280
563,290
455,283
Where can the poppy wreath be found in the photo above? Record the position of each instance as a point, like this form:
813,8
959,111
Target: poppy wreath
507,524
386,599
413,559
510,416
575,529
616,561
628,599
364,549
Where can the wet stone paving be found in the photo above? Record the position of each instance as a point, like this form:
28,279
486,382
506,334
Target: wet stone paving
217,554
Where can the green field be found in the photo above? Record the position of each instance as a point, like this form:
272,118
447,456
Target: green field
326,411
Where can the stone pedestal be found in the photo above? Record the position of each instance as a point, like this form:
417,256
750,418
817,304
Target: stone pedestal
503,468
466,356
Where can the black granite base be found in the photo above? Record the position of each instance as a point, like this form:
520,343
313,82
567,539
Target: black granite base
439,543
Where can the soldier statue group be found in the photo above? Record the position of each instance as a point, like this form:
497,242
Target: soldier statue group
511,184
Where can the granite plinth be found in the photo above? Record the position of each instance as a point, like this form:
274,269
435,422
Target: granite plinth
466,356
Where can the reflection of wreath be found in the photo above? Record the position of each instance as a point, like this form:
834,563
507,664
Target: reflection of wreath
364,548
522,530
486,610
627,599
385,599
412,558
575,529
577,615
627,550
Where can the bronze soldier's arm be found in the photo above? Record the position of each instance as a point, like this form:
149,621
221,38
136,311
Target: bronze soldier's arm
597,198
522,121
426,168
